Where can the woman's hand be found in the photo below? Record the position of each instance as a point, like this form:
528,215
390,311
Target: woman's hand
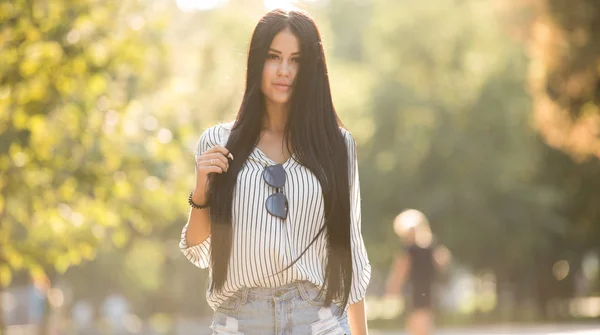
213,160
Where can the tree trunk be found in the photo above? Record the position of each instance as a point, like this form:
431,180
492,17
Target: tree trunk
45,325
3,327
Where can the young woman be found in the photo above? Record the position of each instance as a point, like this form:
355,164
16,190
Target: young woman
418,265
276,206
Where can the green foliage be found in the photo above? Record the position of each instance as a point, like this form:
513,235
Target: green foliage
101,105
75,167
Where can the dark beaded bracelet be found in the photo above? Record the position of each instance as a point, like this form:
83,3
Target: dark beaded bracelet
195,205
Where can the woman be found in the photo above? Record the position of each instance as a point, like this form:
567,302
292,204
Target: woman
420,262
276,207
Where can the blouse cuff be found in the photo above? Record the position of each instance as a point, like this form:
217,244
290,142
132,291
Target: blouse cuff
359,284
198,254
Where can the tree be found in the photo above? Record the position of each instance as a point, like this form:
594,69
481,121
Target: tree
75,166
445,129
562,38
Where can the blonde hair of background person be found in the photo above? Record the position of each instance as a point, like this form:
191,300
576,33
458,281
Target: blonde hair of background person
263,185
418,265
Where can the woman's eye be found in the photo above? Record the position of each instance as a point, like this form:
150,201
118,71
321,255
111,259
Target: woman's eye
272,56
296,59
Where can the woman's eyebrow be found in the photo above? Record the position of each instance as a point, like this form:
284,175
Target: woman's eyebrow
279,52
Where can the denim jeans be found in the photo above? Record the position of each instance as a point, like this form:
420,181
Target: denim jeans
294,309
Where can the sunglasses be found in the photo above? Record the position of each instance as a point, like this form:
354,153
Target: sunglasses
277,203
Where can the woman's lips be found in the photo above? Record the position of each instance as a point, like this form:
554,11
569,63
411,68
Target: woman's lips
282,87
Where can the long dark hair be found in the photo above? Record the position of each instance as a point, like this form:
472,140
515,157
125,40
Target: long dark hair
311,132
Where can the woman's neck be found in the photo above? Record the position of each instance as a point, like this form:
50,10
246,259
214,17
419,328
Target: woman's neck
275,118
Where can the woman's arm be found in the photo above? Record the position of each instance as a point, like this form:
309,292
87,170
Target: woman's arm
195,236
361,268
357,318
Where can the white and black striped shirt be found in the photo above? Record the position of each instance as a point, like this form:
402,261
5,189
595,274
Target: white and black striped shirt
263,244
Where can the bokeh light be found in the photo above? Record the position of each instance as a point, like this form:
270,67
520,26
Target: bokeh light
190,5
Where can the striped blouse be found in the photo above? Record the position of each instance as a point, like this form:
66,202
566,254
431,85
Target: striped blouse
263,245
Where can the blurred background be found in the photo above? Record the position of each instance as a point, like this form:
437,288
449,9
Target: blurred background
482,114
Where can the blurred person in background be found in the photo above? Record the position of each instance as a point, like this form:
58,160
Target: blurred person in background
416,266
264,184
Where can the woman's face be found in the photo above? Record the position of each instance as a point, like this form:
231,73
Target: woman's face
281,67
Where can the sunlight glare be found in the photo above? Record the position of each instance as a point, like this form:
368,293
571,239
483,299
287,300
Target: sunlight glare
272,4
190,5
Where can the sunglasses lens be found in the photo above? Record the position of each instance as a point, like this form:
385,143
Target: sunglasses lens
277,205
274,175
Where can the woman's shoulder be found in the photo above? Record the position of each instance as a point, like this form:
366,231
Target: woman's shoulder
216,134
350,143
221,128
345,132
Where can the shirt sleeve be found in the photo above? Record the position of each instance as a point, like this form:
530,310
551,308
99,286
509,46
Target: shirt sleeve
361,268
199,254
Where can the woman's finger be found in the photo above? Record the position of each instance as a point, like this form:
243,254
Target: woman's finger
219,149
